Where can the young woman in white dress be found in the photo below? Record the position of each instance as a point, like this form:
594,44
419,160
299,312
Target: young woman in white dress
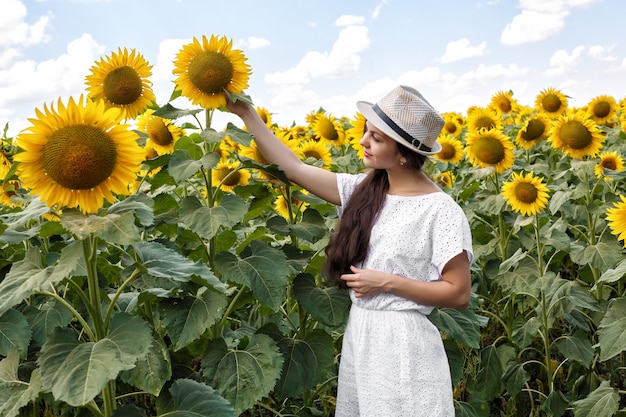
402,247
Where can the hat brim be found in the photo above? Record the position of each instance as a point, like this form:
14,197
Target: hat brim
365,109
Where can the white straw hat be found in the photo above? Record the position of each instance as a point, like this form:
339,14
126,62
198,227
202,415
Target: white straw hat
406,116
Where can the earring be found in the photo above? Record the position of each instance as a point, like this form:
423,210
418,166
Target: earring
402,163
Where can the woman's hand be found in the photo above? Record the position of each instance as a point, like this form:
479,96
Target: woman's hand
239,107
365,282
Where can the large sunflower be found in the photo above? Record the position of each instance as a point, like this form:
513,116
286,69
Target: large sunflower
121,80
315,150
228,175
551,101
503,102
329,129
602,109
78,155
490,148
616,218
452,125
576,136
356,133
609,161
282,208
481,118
534,130
162,133
205,69
526,194
451,149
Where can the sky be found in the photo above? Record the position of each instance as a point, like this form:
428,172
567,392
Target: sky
307,55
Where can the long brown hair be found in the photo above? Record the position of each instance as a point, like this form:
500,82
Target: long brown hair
348,245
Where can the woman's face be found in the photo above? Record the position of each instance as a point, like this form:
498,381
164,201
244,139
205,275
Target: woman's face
379,150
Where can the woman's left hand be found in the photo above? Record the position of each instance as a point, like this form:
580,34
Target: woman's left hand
364,282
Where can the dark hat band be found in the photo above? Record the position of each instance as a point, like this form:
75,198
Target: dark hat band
398,129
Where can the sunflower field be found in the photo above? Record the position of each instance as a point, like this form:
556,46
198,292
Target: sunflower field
152,265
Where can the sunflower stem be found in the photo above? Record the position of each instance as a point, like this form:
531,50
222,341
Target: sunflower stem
90,254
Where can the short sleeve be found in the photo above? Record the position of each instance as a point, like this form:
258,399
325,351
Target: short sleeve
346,183
451,235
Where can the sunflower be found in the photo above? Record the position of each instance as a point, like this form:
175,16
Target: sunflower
162,133
121,80
205,69
526,194
451,149
483,119
616,218
503,102
490,148
356,133
329,129
602,109
534,130
265,115
317,151
551,101
445,179
452,125
576,135
282,208
78,155
611,161
228,175
8,188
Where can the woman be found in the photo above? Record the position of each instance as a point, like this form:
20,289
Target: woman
402,247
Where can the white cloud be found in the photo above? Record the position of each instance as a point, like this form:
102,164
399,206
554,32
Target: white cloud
343,60
462,49
254,42
538,20
602,53
349,20
377,9
562,62
44,82
14,30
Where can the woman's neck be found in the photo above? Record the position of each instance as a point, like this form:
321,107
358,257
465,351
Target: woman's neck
406,182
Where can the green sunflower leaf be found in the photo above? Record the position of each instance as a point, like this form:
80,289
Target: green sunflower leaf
76,372
188,318
207,221
160,261
306,362
602,402
311,228
170,112
14,393
262,268
14,332
152,370
612,333
329,306
243,376
189,398
27,276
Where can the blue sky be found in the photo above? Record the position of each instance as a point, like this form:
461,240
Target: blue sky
325,53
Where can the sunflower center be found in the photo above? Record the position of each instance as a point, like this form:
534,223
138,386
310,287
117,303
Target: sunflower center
312,154
450,127
159,133
575,135
79,157
123,86
327,129
602,109
233,178
525,192
505,106
447,151
534,130
485,122
489,150
551,102
609,164
210,72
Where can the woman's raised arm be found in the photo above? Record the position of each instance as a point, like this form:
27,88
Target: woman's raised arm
319,181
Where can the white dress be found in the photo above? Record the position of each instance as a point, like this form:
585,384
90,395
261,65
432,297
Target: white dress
393,363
